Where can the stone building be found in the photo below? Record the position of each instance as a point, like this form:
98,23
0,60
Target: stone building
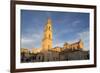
24,50
35,50
24,54
56,49
69,51
47,38
75,55
74,46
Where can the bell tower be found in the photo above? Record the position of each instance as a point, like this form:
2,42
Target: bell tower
47,38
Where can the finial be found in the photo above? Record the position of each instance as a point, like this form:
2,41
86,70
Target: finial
49,20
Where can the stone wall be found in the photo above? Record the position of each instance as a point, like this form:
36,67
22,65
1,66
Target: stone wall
56,56
75,55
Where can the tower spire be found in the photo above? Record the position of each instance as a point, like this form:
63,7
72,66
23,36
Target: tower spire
47,38
49,20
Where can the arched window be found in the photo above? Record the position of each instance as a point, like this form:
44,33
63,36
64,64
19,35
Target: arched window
49,36
49,46
49,27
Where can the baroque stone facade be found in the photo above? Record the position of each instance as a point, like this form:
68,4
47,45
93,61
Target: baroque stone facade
74,46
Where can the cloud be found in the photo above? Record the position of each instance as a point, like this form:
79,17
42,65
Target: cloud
84,34
76,23
85,37
26,42
58,44
73,41
31,40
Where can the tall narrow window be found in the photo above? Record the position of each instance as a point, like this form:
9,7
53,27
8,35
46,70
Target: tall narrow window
48,46
49,36
49,27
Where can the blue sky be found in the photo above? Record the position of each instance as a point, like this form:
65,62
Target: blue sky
67,27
